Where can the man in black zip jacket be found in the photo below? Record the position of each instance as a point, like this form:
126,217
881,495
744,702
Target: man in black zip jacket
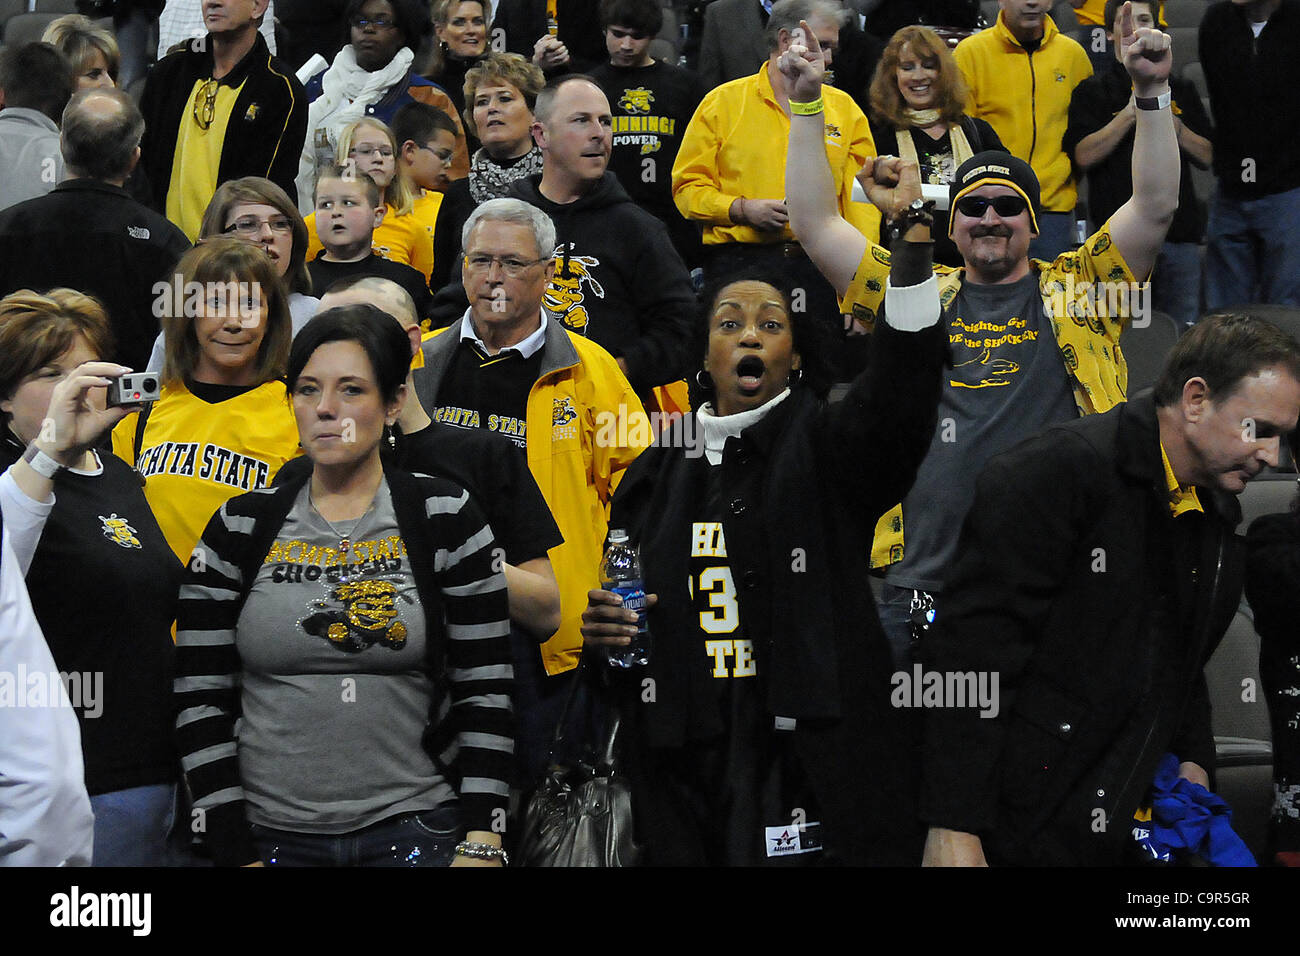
1096,573
618,280
220,108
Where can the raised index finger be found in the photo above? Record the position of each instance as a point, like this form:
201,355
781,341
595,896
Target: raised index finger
1124,22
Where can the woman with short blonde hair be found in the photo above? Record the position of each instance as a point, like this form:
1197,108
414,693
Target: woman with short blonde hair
92,50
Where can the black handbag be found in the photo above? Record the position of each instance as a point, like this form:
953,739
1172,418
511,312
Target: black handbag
581,815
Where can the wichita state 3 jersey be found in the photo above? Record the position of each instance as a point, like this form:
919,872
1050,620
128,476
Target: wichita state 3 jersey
196,455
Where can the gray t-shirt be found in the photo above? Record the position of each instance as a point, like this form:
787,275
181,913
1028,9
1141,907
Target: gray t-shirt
1008,383
335,691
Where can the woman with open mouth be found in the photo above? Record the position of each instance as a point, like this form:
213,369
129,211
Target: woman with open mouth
918,102
769,725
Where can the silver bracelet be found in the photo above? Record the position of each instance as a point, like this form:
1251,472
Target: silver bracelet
41,463
482,851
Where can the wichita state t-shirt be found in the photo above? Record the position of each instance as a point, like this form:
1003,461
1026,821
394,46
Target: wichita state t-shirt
198,452
1007,384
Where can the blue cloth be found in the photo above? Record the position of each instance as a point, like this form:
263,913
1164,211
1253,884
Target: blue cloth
1186,816
1253,250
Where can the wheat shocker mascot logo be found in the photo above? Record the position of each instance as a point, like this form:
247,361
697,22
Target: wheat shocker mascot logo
357,615
567,291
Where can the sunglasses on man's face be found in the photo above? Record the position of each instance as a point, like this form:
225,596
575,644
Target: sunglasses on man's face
1005,206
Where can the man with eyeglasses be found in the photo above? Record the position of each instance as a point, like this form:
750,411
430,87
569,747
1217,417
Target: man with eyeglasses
1034,343
220,108
89,233
510,368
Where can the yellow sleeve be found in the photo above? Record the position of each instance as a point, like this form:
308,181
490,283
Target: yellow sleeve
314,247
421,248
696,189
124,438
866,292
610,459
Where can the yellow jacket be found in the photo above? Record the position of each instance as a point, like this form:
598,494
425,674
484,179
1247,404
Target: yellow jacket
1026,99
585,426
735,147
1087,336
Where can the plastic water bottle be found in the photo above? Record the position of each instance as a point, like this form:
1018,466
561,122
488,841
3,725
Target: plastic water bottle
620,572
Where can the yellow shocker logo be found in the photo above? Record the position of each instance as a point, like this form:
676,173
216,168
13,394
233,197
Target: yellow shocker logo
565,295
636,101
357,615
119,532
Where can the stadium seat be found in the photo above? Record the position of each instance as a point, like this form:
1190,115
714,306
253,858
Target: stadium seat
27,27
1145,348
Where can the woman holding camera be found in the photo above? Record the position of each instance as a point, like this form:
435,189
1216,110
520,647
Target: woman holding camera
355,620
222,424
102,580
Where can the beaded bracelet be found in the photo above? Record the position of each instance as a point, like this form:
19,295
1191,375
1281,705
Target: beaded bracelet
482,851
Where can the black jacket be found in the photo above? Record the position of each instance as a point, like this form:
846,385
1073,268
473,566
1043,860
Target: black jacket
267,128
1096,610
805,486
1254,87
618,281
91,236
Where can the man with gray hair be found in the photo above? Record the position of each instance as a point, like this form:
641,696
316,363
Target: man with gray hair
88,233
509,367
730,180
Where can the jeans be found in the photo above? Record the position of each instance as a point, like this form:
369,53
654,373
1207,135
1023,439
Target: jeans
1253,250
427,838
131,826
1176,282
1057,233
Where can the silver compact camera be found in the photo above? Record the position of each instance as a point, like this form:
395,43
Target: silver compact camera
134,389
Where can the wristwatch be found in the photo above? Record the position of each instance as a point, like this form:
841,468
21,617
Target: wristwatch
1153,102
917,212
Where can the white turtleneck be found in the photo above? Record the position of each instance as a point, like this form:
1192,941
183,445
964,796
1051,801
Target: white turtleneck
718,428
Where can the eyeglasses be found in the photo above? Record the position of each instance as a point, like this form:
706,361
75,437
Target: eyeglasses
443,154
511,266
249,226
379,23
1004,206
205,103
384,151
